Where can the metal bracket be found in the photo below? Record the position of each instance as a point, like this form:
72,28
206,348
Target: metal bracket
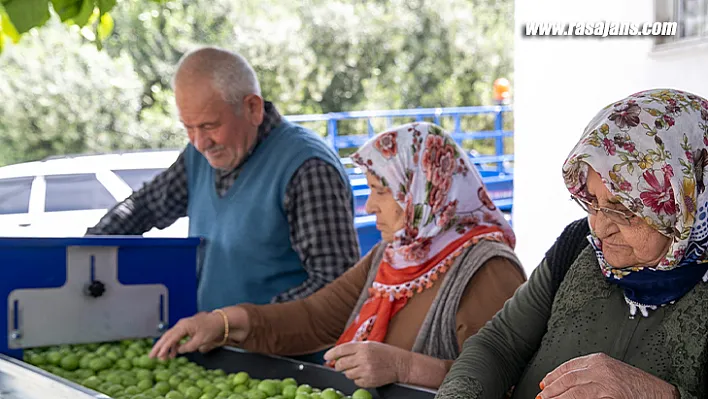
92,305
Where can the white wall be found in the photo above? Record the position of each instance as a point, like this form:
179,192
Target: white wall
560,84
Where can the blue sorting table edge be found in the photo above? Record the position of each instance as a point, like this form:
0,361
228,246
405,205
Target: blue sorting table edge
111,241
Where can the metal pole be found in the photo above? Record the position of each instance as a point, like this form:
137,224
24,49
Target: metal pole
499,127
332,134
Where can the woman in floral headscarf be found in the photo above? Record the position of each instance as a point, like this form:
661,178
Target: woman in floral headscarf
618,308
444,268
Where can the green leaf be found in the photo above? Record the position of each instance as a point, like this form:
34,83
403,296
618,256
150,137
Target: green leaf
630,168
67,9
402,188
87,9
27,14
428,187
2,41
645,126
105,5
105,27
431,217
7,28
624,157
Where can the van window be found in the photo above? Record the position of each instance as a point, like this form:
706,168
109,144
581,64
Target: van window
75,193
135,178
15,194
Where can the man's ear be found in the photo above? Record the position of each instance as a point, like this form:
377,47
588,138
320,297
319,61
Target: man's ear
253,109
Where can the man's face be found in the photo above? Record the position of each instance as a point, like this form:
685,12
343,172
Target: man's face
217,129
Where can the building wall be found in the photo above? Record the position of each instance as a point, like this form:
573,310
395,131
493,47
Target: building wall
560,84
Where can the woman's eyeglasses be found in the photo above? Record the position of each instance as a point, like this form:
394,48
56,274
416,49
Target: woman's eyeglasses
619,217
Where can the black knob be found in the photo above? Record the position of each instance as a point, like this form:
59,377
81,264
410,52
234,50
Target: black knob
95,289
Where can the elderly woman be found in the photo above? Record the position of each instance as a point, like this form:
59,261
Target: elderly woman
616,310
444,268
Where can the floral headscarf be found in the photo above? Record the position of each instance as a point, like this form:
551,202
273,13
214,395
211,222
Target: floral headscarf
447,208
650,150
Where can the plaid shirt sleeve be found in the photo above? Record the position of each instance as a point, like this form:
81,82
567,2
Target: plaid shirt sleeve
158,203
319,211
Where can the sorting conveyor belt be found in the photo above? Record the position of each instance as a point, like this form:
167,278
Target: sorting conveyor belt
233,360
59,291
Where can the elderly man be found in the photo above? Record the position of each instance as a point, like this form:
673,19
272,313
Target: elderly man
271,199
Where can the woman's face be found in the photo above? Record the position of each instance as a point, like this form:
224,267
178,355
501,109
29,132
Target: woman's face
389,215
623,246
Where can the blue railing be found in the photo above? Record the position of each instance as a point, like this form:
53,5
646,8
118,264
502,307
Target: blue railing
456,113
498,177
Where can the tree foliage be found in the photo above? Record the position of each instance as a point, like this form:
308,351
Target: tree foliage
312,56
76,99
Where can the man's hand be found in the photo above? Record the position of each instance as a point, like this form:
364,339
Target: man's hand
601,376
205,332
370,364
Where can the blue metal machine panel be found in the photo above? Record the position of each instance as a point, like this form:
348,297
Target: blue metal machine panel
31,263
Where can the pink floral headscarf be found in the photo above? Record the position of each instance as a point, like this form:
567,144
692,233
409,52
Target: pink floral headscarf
650,150
437,185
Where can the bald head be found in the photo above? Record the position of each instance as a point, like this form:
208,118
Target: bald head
219,103
228,73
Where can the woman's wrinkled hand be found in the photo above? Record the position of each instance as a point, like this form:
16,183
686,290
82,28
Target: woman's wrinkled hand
370,364
601,376
204,330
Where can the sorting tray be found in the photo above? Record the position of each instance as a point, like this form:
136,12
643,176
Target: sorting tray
19,380
233,360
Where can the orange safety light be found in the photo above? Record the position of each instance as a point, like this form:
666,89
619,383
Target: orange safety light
501,90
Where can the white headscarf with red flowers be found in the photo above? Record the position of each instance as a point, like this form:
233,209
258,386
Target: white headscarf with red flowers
433,180
650,150
447,209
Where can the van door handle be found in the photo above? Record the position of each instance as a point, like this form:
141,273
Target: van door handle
25,224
